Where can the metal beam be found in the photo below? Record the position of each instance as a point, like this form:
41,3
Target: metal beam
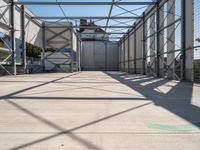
43,45
13,42
83,3
72,52
109,33
183,40
114,37
86,17
135,51
128,52
88,27
109,15
157,40
144,46
23,36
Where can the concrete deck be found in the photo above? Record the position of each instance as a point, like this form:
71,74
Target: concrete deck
98,111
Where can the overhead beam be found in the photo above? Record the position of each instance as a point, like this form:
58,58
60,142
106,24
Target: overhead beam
114,37
85,17
83,3
87,27
106,33
95,27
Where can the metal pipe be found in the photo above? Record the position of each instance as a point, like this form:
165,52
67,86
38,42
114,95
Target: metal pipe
82,3
109,15
87,27
183,39
135,61
85,17
23,36
109,33
128,52
144,47
72,53
124,47
13,42
157,40
43,45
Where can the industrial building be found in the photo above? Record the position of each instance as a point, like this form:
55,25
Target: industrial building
100,75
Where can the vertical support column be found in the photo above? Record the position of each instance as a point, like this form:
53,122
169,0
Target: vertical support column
23,37
159,40
187,40
120,56
72,55
118,44
77,54
106,48
171,38
143,45
43,45
80,46
124,48
128,35
12,36
135,61
152,43
161,36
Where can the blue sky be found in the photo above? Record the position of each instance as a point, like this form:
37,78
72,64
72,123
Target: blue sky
104,10
88,11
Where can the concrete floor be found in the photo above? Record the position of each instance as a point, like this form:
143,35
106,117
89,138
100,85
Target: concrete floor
98,111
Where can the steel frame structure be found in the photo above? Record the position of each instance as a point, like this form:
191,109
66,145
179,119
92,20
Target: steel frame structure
13,4
63,42
155,9
159,67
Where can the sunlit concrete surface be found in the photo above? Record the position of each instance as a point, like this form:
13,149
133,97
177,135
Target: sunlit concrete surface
98,111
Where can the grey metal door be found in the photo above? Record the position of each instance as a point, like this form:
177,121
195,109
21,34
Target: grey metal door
99,56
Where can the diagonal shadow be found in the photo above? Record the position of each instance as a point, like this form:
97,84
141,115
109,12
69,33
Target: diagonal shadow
11,96
53,125
63,131
177,100
36,86
78,98
6,81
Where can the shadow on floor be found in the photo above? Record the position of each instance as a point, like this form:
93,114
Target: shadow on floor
69,133
176,97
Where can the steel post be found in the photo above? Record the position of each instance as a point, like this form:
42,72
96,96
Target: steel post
12,36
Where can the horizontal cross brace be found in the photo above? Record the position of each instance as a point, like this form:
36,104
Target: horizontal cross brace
88,27
85,17
114,37
83,3
105,33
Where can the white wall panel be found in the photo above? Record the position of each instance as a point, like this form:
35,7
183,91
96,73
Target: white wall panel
33,28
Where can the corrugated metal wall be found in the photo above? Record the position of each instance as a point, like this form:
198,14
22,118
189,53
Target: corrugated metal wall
99,56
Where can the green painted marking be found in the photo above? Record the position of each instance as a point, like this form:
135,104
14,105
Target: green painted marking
178,128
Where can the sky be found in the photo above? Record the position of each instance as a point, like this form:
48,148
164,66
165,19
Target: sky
104,10
89,11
